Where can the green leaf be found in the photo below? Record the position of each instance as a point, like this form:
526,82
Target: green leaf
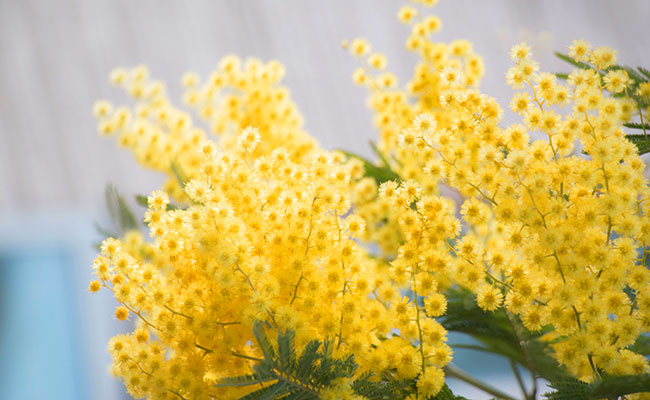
636,125
615,386
291,376
307,362
180,175
264,342
544,363
275,391
286,351
119,210
243,380
142,200
379,154
642,142
499,334
283,374
571,61
380,174
446,394
372,388
609,386
641,345
562,76
104,232
570,389
644,72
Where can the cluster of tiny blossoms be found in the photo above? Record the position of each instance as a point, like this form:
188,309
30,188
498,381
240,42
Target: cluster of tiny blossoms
557,237
554,230
395,108
265,235
247,93
162,136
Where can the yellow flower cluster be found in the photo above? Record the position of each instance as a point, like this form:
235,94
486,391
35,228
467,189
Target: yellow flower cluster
247,93
395,109
236,95
159,134
266,235
553,224
556,237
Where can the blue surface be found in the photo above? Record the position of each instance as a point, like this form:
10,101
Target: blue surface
40,352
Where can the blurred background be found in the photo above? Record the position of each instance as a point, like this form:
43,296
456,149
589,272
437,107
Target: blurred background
55,57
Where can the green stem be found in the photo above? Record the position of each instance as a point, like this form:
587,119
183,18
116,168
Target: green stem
642,121
524,352
520,381
454,372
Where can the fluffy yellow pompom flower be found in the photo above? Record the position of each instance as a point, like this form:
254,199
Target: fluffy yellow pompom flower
580,50
489,298
359,47
430,382
121,313
406,14
95,286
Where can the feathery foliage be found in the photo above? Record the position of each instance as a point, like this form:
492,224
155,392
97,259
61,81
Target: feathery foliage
120,213
609,387
286,373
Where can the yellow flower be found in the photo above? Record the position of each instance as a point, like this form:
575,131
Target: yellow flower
430,382
121,313
359,47
616,81
603,57
580,50
406,14
489,297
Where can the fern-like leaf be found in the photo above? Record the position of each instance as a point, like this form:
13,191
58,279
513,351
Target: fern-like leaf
642,142
641,345
571,61
608,387
644,72
179,174
499,334
446,394
615,386
371,387
274,391
307,363
380,173
242,380
286,352
120,213
636,125
285,374
569,389
264,342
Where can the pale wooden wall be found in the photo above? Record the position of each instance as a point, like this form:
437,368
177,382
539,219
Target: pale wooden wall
55,56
